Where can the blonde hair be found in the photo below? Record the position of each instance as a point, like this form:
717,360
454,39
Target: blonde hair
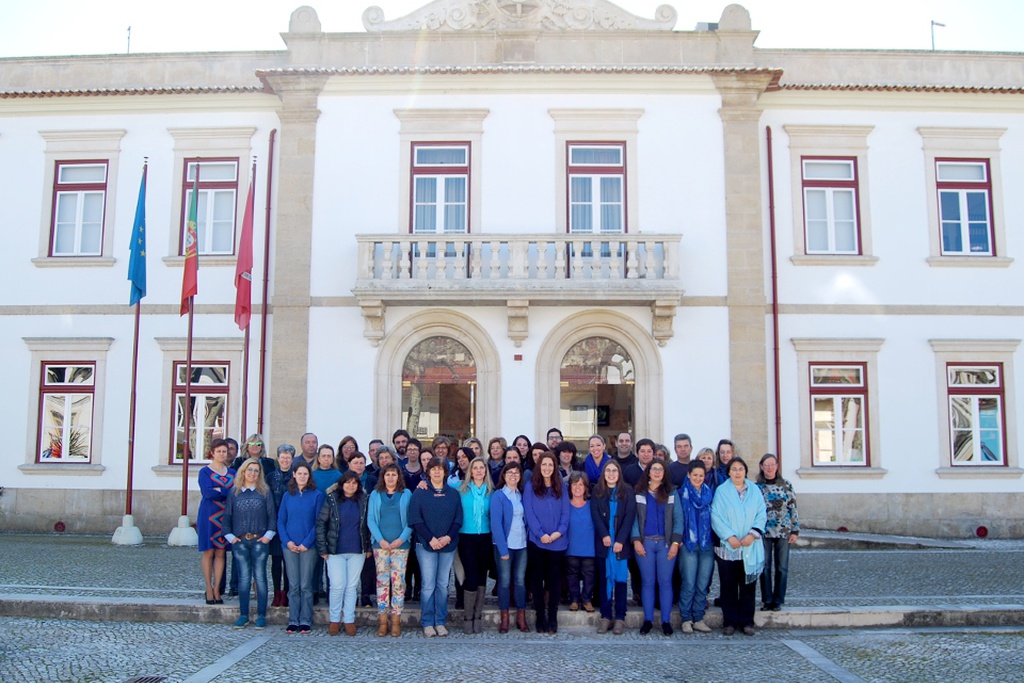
261,483
488,482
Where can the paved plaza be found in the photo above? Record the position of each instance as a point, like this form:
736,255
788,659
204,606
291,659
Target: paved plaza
76,608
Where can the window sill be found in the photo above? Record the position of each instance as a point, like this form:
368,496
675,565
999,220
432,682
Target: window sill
175,470
63,469
179,261
832,260
841,472
979,472
74,261
970,261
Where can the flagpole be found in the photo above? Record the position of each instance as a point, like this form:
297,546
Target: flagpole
184,534
188,406
266,284
128,533
245,349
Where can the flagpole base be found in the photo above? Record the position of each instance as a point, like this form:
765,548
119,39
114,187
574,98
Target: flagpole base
127,533
183,534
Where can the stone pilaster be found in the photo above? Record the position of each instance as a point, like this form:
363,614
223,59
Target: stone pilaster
292,255
748,334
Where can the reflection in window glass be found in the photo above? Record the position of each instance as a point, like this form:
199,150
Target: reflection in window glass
439,389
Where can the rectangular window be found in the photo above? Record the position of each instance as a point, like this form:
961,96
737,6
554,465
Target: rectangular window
597,181
218,189
209,407
831,224
440,188
66,412
965,206
976,414
839,397
79,201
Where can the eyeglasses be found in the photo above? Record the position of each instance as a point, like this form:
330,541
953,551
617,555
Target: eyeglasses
256,443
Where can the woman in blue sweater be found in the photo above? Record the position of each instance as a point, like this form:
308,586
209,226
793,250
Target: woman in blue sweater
508,531
546,505
697,556
388,522
657,533
296,523
579,559
613,508
435,513
475,548
250,520
343,542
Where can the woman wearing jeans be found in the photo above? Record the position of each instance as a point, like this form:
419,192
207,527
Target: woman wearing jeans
296,523
780,532
508,531
657,533
697,556
435,513
343,541
251,521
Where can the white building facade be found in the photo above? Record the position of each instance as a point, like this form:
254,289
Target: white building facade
490,220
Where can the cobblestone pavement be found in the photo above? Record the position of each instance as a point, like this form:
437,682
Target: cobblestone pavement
34,650
982,573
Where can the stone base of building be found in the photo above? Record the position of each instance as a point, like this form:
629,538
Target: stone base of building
932,515
91,511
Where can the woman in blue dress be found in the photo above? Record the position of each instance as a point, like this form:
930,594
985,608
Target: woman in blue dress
215,481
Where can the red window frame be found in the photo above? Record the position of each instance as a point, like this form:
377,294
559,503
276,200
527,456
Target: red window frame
985,185
832,184
581,169
840,390
208,185
977,390
45,389
59,187
440,170
178,389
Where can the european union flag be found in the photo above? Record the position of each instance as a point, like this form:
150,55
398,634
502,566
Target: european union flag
137,261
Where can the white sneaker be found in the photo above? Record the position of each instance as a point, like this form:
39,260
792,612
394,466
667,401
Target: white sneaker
442,631
687,627
429,632
701,626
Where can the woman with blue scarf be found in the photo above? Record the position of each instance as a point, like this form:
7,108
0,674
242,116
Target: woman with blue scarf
738,517
697,556
613,507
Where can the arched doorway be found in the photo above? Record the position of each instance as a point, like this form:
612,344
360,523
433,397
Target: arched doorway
439,389
597,382
645,379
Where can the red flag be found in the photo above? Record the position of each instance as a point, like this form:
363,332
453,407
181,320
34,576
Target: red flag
243,271
190,272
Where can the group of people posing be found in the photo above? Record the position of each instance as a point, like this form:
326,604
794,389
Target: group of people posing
537,516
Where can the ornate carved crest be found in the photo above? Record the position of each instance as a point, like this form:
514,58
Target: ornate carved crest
520,15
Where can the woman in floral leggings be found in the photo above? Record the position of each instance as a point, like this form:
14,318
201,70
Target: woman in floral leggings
389,535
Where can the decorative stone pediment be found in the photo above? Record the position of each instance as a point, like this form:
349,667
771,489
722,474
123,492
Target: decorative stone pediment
520,15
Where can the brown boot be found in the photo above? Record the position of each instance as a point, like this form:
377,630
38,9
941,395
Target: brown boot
396,625
382,625
350,629
521,621
503,626
334,628
277,599
284,598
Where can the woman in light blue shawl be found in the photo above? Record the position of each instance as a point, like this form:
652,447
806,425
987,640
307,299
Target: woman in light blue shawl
738,517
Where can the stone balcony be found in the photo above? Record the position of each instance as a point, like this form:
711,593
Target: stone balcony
516,271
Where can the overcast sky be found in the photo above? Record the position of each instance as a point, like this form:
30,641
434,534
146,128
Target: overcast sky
63,27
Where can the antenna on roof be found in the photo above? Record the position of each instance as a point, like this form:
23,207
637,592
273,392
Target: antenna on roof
934,24
130,41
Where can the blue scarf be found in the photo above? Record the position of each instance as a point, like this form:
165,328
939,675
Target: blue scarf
697,516
733,516
616,570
